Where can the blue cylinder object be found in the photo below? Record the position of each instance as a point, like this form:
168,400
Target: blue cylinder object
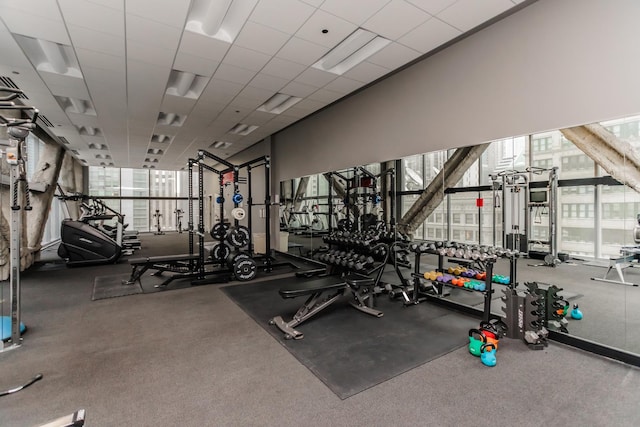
237,198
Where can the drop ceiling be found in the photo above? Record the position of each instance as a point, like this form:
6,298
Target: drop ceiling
146,83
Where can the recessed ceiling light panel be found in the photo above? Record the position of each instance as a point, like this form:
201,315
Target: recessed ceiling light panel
353,50
219,19
278,103
185,84
49,56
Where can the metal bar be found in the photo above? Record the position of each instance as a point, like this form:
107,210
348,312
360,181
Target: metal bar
204,153
593,347
249,203
190,214
267,202
200,221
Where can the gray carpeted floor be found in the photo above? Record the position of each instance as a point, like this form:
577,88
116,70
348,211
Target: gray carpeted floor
193,358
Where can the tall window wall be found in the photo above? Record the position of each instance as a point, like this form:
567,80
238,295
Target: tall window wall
592,220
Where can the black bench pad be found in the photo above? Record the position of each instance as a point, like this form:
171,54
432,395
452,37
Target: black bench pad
165,258
306,288
355,279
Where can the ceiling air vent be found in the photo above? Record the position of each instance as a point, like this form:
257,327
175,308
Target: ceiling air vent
44,120
220,145
63,140
75,152
8,82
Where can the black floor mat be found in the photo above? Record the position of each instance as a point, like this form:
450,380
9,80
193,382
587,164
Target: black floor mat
111,286
349,350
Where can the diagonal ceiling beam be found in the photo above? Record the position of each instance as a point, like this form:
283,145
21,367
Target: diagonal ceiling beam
616,156
452,171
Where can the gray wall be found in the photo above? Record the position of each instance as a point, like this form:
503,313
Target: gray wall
555,63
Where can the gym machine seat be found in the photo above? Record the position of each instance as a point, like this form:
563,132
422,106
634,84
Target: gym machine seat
322,293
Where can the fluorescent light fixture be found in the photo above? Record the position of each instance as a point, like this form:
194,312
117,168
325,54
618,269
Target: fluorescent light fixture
149,167
89,131
219,19
98,147
185,84
50,57
162,139
106,164
242,129
148,160
170,119
75,105
278,103
357,47
103,156
155,151
220,145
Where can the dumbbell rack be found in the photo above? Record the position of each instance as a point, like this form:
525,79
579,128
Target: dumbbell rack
419,295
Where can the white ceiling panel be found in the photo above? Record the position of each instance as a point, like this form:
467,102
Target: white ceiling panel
177,104
89,39
100,60
266,81
325,95
396,19
259,118
173,13
261,38
432,7
234,74
94,16
256,93
429,35
242,102
195,64
366,72
337,29
298,89
152,33
393,55
343,85
356,11
114,4
302,51
467,14
282,68
25,23
246,58
157,56
270,13
203,46
315,77
314,3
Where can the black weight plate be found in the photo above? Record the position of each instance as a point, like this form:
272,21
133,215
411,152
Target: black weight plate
231,260
245,269
239,236
220,252
219,231
345,225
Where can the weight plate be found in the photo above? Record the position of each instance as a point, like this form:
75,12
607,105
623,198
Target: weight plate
220,252
245,269
219,231
239,236
238,213
232,259
345,225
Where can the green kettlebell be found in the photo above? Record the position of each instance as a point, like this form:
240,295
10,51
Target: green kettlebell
475,344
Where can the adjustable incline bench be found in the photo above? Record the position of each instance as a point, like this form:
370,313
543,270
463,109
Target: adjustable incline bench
182,265
326,290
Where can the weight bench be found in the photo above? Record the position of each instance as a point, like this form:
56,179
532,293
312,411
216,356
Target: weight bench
321,294
180,264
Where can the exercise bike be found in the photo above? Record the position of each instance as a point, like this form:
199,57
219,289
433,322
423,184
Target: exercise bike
157,216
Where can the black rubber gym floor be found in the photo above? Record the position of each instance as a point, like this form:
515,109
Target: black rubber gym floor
349,350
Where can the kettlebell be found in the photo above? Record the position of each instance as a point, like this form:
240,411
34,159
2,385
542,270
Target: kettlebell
488,357
475,344
491,334
576,313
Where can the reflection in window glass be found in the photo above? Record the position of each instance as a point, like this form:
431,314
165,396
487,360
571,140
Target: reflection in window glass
162,184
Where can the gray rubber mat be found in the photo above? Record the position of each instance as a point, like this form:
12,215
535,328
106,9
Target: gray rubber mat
111,287
349,350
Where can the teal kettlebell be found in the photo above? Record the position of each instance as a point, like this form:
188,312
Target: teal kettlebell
576,313
488,357
475,344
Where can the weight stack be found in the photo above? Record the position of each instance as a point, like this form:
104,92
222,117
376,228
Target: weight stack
533,321
514,313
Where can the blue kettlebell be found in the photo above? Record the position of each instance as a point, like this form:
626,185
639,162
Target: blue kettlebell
488,357
576,313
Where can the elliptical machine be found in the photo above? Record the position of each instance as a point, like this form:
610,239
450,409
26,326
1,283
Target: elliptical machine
82,244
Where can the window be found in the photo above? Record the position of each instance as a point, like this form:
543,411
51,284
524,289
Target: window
455,218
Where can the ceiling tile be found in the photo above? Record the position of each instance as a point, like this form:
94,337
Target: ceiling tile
114,4
344,85
270,13
366,72
298,89
195,64
256,93
203,46
177,104
315,77
393,56
173,13
93,16
152,33
302,51
150,54
282,68
265,81
249,103
246,58
467,14
326,96
432,6
429,35
43,8
258,118
261,38
97,41
396,19
356,11
100,60
35,26
234,74
337,29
